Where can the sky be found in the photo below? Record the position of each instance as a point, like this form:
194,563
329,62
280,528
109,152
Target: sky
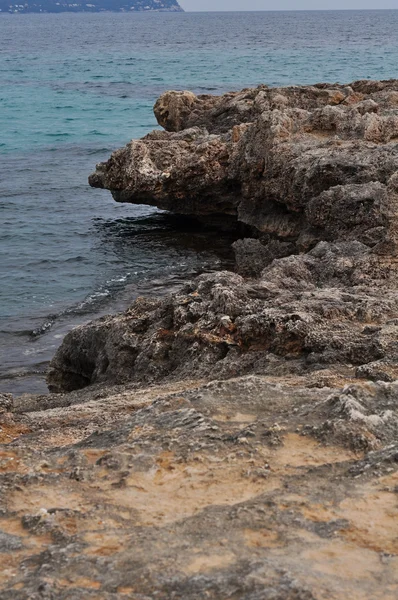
196,5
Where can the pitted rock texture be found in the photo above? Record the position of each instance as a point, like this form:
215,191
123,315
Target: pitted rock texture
334,307
254,488
312,172
298,164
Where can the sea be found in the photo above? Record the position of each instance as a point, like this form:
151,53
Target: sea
74,87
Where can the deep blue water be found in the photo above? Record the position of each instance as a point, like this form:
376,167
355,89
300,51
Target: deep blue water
75,86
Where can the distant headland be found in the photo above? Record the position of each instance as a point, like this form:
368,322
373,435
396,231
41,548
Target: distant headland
53,6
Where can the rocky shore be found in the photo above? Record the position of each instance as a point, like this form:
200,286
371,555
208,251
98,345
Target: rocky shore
240,438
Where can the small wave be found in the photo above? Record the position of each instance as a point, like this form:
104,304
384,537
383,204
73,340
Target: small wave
91,300
92,304
39,369
76,259
20,333
44,327
96,302
93,151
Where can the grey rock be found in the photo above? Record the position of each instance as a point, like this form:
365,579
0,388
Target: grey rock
9,543
6,403
237,439
245,488
304,313
299,164
253,255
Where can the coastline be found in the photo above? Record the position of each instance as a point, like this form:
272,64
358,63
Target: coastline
51,7
238,438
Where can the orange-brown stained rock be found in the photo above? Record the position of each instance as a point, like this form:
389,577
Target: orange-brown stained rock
262,538
300,451
203,564
167,497
177,491
80,582
373,516
11,431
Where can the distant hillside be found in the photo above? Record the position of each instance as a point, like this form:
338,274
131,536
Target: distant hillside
55,6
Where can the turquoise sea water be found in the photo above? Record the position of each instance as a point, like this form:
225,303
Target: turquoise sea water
75,86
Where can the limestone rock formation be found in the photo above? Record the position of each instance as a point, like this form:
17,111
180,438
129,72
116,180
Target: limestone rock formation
297,164
238,439
333,307
312,172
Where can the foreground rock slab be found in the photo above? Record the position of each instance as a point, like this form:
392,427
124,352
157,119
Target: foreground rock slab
251,488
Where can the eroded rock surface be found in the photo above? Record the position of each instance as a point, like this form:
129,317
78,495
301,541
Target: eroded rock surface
334,307
313,173
251,488
297,164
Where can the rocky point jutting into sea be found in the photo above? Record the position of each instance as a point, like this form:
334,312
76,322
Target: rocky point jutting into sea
240,438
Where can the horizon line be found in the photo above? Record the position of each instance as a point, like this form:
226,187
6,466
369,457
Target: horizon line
290,10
